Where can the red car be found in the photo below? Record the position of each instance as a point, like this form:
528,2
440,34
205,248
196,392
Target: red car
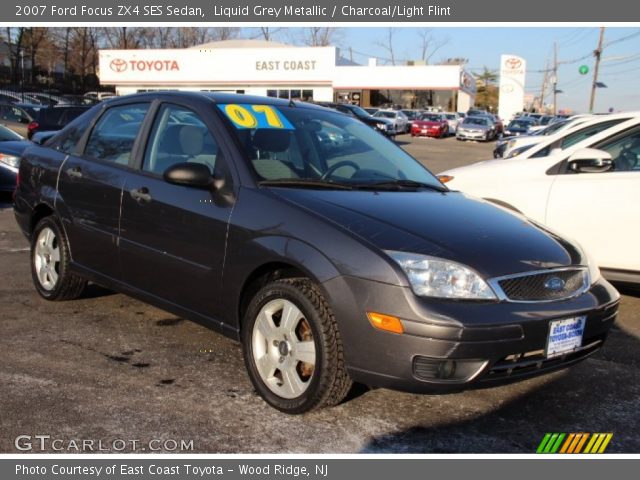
431,125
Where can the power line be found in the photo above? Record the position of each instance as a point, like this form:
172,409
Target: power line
622,39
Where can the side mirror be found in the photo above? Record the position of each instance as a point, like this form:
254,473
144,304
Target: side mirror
194,175
42,137
590,160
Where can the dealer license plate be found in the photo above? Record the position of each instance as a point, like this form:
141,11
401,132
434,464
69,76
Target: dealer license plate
565,335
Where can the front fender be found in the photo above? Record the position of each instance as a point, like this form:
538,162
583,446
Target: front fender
259,252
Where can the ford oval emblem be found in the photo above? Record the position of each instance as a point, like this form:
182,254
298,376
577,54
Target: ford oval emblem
555,284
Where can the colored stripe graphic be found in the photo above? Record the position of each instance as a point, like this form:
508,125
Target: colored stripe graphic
574,443
543,443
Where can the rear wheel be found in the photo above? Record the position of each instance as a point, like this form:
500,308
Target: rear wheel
292,348
50,258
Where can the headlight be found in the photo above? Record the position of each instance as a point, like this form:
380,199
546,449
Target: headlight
436,277
10,160
380,126
594,271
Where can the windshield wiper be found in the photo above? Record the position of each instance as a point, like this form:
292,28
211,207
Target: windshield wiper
305,182
399,184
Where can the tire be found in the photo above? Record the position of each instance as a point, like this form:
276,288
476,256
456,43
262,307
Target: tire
50,258
275,353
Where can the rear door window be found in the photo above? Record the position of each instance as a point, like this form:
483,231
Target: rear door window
178,136
114,134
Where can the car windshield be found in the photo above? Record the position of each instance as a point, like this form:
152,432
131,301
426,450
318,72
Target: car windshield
475,121
385,114
554,127
430,117
359,112
451,116
519,124
309,146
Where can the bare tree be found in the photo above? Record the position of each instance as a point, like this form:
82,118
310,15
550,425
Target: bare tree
15,40
122,37
388,46
319,36
33,39
267,33
430,44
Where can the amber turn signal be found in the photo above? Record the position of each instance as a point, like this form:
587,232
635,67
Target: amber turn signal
445,178
384,322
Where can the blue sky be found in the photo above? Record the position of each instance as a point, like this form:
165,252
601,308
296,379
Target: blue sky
620,68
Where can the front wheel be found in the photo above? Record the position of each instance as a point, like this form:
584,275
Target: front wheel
50,258
292,347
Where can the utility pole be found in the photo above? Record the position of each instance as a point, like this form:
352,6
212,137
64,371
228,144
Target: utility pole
554,79
596,53
544,86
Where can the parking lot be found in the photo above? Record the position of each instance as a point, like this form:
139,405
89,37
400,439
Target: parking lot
108,367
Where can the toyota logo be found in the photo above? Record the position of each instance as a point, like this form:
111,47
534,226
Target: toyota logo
118,65
513,63
555,284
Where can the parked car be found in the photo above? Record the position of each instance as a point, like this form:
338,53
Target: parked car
582,185
31,108
430,125
99,96
54,118
474,112
476,128
497,124
354,266
11,147
411,114
48,99
519,126
399,119
453,118
14,118
8,96
382,125
565,138
371,110
516,145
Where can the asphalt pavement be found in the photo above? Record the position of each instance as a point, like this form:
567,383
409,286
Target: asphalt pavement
123,375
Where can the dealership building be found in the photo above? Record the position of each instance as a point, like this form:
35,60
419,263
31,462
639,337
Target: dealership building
300,73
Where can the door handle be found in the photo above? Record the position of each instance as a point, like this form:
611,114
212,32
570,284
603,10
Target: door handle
140,195
75,172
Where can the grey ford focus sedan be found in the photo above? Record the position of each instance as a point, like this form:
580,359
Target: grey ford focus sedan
328,251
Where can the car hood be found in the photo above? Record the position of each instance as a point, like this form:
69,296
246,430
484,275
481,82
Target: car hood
380,119
474,127
451,225
14,147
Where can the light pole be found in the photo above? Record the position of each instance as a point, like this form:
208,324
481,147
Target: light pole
22,74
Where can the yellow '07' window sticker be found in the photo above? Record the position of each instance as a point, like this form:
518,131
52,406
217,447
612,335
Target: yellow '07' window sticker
244,115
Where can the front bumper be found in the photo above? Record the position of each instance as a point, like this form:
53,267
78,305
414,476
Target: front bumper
497,342
471,135
428,131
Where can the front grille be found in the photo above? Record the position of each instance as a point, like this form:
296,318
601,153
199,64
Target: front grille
544,286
